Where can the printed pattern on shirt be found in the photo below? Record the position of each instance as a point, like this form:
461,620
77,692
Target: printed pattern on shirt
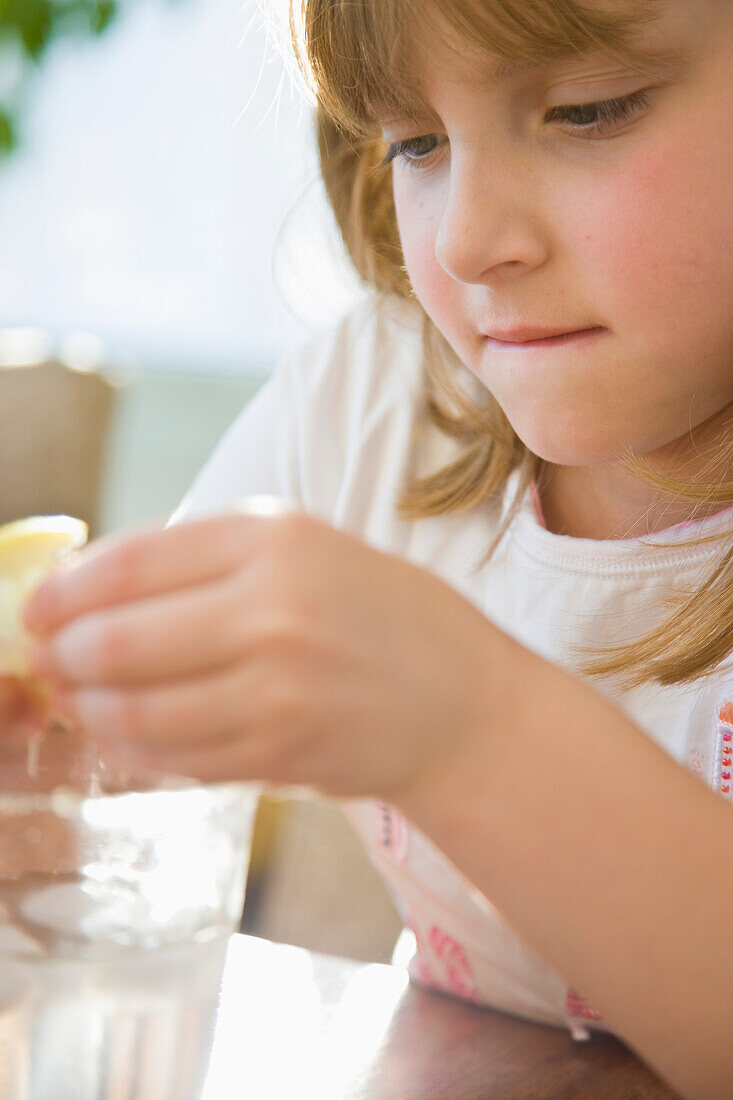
441,963
577,1006
697,762
723,755
457,975
391,832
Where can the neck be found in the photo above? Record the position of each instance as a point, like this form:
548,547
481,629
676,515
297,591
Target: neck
584,508
610,502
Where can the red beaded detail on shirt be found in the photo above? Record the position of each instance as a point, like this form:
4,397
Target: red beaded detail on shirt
723,756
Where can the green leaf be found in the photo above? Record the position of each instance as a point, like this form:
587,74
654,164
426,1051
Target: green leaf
33,21
102,14
8,136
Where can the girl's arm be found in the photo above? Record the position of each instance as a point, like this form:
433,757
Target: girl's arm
608,858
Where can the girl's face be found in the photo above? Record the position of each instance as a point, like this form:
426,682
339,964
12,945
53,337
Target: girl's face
524,204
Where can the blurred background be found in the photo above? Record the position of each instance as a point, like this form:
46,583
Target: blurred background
164,239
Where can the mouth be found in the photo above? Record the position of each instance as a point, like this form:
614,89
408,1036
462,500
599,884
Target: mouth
525,339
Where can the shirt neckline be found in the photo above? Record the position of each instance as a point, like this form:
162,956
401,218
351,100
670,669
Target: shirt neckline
673,548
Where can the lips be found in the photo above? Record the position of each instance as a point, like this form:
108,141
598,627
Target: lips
523,342
524,335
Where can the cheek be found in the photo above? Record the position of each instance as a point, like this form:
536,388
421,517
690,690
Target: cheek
418,222
658,245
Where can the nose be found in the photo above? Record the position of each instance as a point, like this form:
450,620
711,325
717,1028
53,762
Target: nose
490,227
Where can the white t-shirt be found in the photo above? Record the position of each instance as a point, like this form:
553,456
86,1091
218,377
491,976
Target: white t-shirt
337,430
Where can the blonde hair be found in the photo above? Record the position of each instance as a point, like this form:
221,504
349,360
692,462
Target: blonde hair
355,56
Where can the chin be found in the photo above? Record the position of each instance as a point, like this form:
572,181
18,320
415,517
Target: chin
563,444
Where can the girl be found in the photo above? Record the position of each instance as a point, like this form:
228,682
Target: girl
495,612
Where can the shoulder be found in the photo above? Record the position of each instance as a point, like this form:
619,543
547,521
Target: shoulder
331,429
355,394
374,349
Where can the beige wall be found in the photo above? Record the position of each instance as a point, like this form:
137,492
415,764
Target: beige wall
54,429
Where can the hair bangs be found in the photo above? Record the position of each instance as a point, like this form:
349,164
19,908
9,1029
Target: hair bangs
523,33
352,52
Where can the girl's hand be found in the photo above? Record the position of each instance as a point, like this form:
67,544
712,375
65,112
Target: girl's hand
271,648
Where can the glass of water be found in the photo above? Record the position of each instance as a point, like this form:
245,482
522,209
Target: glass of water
118,894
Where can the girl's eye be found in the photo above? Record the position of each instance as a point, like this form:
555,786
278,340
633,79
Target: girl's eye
597,118
413,149
593,119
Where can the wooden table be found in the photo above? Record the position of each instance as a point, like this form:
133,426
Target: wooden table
293,1025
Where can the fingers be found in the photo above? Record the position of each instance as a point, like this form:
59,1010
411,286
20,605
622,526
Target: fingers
119,569
234,761
181,716
186,632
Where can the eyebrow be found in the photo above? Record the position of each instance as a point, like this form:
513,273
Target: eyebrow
648,61
629,25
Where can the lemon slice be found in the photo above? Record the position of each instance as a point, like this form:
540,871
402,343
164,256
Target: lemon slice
29,550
